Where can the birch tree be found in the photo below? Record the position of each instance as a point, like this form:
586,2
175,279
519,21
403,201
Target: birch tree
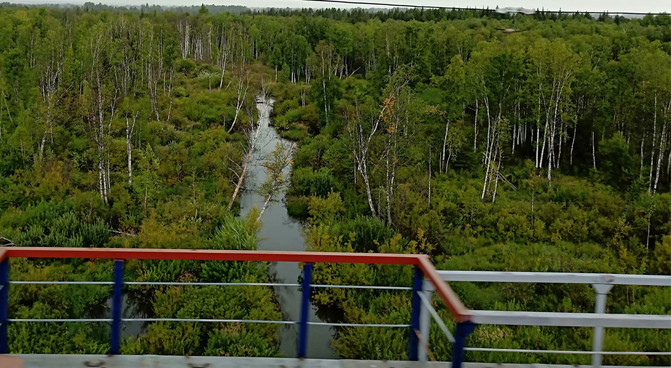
130,130
653,76
554,68
51,70
184,30
155,70
496,72
458,88
100,97
252,133
394,114
277,165
224,52
243,78
324,62
361,129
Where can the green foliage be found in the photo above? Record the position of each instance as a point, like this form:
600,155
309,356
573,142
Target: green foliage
307,182
365,233
418,131
326,209
214,339
237,342
54,224
298,207
186,66
617,164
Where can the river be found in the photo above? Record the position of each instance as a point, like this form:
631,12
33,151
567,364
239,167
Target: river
281,232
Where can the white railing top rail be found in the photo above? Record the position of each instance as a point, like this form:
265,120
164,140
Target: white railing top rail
556,278
514,318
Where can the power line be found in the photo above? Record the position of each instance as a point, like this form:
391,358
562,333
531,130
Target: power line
371,3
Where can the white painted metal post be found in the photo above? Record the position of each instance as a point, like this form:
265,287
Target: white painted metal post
424,319
600,308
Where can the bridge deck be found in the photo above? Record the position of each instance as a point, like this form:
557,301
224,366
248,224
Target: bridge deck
155,361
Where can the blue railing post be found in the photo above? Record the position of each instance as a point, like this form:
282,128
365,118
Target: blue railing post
416,305
117,307
4,305
305,309
463,330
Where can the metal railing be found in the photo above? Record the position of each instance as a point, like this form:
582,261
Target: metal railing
426,280
602,284
424,270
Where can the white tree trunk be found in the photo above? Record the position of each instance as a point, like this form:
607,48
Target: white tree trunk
429,195
263,209
248,159
443,163
575,132
130,128
475,126
593,151
652,150
242,94
660,157
642,154
364,175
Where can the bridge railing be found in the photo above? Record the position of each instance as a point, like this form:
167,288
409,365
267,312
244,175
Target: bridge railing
424,273
426,280
602,284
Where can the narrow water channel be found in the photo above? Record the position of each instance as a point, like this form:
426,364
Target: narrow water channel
281,232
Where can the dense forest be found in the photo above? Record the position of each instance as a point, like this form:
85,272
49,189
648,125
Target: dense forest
488,141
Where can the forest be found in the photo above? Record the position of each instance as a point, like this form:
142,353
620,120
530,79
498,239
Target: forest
487,141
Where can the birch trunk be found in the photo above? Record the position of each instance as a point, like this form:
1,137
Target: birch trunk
242,94
223,56
241,179
263,209
593,151
496,178
660,157
443,162
429,195
475,126
130,128
652,150
363,170
575,132
642,154
360,150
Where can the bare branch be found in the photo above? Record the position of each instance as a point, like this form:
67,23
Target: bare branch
118,232
8,242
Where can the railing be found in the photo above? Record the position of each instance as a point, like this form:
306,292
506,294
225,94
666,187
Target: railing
424,270
602,283
426,280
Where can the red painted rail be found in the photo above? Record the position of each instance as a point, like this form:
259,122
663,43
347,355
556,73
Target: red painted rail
451,300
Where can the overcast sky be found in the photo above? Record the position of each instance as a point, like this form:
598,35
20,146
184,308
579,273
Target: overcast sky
569,5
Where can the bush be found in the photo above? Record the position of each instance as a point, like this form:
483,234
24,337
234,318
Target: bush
186,66
295,133
618,166
297,207
367,233
318,183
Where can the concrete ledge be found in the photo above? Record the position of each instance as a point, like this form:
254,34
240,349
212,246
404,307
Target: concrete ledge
165,361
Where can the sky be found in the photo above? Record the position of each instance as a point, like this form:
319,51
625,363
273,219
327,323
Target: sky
655,6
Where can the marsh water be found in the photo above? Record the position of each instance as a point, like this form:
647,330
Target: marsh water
281,232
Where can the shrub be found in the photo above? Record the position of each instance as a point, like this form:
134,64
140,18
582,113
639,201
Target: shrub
317,183
298,207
